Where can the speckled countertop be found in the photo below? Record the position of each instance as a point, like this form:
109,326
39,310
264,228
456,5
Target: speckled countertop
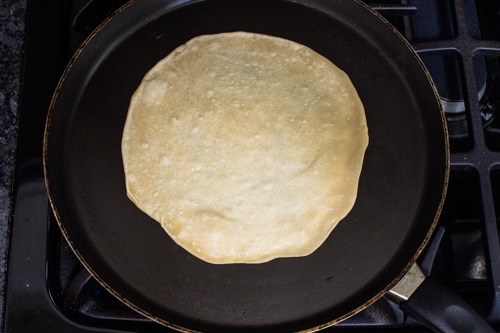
12,17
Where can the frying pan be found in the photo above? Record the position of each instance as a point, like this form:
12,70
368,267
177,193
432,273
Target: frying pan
401,189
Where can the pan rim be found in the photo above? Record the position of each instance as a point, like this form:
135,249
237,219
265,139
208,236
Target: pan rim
162,321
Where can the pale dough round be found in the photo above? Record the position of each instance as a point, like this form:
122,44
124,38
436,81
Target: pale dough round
245,147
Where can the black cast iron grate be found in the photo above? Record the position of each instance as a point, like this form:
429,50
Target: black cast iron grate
459,42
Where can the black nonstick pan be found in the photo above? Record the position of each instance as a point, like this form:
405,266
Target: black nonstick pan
401,190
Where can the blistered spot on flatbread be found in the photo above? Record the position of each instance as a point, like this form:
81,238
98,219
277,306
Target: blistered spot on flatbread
245,147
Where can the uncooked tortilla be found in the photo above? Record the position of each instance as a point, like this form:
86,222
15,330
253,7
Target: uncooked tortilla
245,147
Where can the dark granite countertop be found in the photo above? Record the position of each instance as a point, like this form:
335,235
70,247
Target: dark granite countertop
12,18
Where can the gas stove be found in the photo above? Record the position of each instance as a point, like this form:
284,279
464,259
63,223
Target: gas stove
48,289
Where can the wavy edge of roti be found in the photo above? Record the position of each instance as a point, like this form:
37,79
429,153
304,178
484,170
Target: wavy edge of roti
192,188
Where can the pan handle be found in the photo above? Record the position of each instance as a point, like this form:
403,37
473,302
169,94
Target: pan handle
435,306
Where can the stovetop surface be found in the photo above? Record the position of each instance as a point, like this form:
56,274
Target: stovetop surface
458,41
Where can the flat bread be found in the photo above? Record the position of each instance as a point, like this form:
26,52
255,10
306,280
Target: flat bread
245,147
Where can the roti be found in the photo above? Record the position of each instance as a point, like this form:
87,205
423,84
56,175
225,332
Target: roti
244,147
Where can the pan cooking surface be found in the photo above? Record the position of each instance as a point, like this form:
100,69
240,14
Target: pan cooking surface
406,161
